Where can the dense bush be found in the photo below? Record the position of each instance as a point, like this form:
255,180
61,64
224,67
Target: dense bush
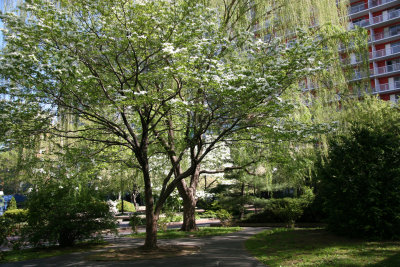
236,204
286,210
223,215
204,203
173,203
11,226
16,215
360,181
314,212
5,230
135,221
65,214
128,206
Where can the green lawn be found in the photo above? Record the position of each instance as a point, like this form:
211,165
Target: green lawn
47,252
317,247
203,231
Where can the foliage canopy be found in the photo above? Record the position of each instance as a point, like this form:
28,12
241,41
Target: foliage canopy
359,178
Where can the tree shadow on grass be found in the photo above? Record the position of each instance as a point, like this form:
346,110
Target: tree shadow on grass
390,261
317,247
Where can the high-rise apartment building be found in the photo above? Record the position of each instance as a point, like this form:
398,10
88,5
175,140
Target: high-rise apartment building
382,20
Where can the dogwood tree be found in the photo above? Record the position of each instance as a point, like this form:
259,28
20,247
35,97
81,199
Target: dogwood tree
155,77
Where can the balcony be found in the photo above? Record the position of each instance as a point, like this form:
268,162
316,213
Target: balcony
386,69
391,15
382,35
384,52
379,71
358,75
373,6
357,8
362,23
375,3
380,88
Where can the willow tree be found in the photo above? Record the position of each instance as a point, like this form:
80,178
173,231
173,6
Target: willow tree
283,21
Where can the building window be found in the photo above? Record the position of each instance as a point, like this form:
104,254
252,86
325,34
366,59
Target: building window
357,8
395,47
394,12
394,30
397,82
393,65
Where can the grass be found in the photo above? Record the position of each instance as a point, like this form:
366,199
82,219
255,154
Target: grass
203,231
317,247
47,252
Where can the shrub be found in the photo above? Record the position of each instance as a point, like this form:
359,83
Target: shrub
16,215
12,205
128,206
234,204
65,214
286,210
5,229
173,203
10,226
204,203
209,214
224,216
360,181
135,221
162,223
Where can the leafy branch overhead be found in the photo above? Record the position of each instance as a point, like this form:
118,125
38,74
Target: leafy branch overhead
151,76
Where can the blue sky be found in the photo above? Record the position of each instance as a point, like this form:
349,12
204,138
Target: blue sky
1,23
6,5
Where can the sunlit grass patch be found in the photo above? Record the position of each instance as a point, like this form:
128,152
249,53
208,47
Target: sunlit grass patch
203,231
317,247
47,252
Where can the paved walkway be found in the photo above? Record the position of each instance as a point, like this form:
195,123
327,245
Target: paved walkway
227,250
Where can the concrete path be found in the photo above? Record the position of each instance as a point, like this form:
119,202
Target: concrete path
227,250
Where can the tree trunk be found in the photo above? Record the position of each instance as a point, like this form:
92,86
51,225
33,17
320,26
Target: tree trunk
122,205
150,242
134,195
189,208
188,194
242,209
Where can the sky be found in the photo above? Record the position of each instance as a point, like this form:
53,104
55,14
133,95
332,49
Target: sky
6,5
1,23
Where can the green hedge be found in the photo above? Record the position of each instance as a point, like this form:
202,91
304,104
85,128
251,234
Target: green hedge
286,210
128,206
17,215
